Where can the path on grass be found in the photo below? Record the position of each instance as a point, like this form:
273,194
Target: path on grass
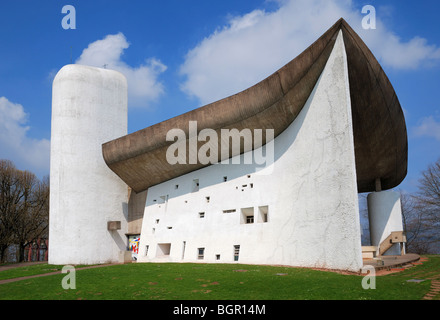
21,264
24,264
433,276
434,291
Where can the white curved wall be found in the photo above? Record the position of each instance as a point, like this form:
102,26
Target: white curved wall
310,191
89,107
385,216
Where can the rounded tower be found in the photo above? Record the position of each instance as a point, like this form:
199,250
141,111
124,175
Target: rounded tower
385,217
89,107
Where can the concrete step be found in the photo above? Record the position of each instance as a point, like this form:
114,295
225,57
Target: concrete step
369,252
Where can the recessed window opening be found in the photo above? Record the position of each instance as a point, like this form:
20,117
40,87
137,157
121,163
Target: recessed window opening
236,252
183,249
225,179
229,211
146,249
169,228
157,221
163,199
200,253
263,214
207,199
176,186
217,257
247,215
201,215
163,249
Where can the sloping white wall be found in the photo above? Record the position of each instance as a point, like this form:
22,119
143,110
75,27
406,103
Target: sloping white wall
310,191
89,107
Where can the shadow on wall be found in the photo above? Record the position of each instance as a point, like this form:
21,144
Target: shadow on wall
270,152
121,242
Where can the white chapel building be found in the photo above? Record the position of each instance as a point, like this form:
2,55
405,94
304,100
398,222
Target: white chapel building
270,175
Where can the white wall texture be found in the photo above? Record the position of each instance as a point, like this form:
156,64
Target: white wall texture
89,107
310,191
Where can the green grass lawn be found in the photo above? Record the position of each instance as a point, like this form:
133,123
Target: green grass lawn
173,281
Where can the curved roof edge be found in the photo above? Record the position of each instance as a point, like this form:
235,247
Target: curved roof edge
380,137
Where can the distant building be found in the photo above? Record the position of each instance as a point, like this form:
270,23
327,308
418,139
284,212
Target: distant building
35,251
310,137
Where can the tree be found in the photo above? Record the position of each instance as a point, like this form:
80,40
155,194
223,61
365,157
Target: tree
429,192
24,208
32,220
9,197
414,225
421,213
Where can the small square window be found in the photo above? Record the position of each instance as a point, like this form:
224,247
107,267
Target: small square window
163,249
247,215
201,215
217,257
163,199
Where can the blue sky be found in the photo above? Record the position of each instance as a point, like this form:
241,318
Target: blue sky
177,54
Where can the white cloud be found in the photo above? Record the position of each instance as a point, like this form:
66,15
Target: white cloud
428,127
143,84
254,45
392,52
15,145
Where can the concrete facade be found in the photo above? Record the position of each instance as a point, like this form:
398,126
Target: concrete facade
89,107
302,210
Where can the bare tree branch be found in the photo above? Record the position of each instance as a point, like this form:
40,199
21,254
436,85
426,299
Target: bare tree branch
24,208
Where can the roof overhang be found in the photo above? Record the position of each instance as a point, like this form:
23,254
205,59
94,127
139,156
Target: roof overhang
380,137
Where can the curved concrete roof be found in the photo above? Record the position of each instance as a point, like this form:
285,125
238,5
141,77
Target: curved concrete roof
380,137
